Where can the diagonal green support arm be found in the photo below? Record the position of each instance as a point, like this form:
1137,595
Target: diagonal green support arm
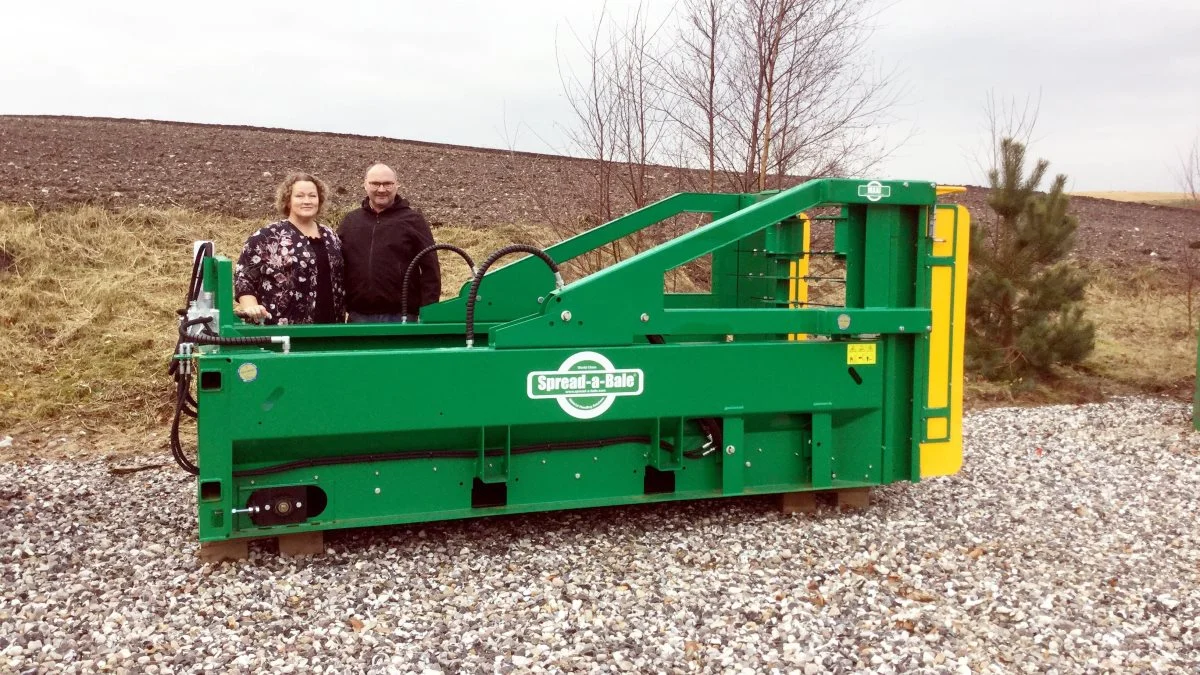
513,290
620,303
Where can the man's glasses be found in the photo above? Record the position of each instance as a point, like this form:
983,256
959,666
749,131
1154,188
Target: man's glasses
377,186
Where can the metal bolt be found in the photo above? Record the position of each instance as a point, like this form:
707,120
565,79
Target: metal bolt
566,315
645,317
576,476
729,450
299,504
541,299
377,490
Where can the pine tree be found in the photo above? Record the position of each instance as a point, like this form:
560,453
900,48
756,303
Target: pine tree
1025,311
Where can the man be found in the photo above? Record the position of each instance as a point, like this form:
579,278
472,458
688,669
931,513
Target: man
379,241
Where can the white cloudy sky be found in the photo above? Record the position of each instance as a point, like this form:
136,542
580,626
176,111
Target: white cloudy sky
1119,81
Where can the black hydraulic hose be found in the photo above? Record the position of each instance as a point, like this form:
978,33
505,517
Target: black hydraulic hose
203,339
181,394
412,265
185,403
207,338
195,285
514,248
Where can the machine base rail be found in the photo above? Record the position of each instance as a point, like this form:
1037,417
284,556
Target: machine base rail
843,500
296,544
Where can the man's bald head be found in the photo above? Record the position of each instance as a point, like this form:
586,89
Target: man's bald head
381,172
380,185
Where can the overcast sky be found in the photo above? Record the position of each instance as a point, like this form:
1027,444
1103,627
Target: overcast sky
1119,81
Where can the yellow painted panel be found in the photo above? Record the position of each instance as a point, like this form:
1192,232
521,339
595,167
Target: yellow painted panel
948,189
936,427
949,299
939,339
797,286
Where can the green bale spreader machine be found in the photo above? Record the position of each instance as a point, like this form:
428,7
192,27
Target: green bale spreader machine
524,393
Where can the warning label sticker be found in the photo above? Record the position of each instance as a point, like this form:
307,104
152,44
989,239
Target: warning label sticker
860,354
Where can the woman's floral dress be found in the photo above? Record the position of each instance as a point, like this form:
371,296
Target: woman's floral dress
280,267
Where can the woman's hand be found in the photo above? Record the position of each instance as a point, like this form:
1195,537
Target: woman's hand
249,309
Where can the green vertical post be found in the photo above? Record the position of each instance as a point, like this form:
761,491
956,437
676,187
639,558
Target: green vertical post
733,471
1196,397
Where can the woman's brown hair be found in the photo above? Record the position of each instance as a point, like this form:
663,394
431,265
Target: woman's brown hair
283,194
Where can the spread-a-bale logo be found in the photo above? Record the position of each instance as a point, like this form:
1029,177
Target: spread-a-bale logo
874,191
585,385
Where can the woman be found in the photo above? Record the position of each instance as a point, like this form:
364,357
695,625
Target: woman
291,271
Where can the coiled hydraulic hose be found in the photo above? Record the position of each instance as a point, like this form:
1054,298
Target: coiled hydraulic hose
185,403
207,337
514,248
413,265
195,284
182,393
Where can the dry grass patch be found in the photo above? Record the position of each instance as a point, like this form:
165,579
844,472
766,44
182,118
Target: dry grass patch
1181,199
1145,343
87,307
1145,337
88,300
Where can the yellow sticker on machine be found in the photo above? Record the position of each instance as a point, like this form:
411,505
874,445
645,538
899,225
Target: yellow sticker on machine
860,354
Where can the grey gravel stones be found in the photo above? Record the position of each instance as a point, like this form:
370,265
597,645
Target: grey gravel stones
1067,544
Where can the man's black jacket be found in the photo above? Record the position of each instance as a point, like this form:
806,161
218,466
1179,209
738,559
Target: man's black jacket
378,248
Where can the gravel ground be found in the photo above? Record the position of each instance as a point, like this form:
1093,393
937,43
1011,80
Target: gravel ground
1067,544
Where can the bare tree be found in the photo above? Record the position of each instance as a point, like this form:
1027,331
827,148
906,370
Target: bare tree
831,106
1189,173
752,90
594,100
1006,119
794,88
640,104
693,75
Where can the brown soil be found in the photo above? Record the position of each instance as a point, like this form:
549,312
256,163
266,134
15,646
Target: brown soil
49,161
1130,233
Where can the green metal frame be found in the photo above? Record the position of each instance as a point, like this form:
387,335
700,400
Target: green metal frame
402,423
